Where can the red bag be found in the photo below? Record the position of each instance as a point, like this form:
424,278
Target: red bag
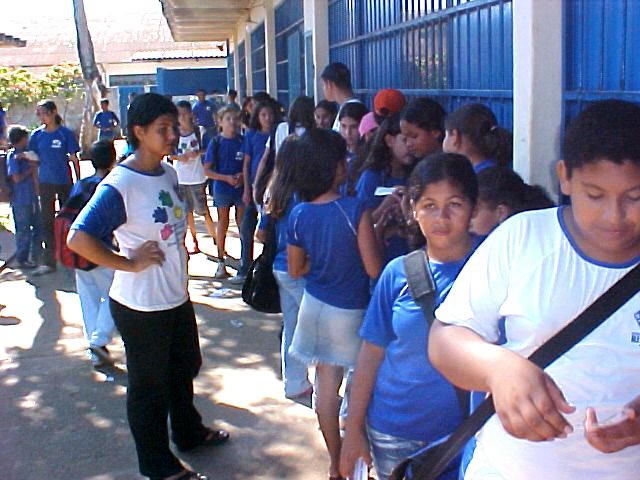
63,221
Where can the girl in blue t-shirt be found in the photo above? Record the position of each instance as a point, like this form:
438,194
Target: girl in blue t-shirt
255,142
332,244
387,165
422,124
280,203
473,131
399,403
139,203
55,145
223,164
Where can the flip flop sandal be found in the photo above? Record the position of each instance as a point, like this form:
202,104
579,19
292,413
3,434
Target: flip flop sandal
211,439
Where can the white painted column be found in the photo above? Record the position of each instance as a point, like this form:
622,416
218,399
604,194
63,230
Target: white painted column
316,21
248,58
537,90
270,48
236,66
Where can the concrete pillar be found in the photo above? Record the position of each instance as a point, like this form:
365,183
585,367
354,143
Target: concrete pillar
316,22
537,90
270,48
236,66
248,57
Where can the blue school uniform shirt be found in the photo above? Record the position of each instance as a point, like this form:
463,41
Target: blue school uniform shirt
23,192
54,149
106,119
488,163
410,399
372,179
281,226
203,111
328,234
254,146
226,156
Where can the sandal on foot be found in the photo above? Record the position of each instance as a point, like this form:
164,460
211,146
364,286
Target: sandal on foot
189,475
212,438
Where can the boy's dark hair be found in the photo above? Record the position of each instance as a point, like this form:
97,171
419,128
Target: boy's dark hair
262,97
355,110
434,168
144,110
478,123
254,122
201,90
17,133
338,74
232,93
606,130
426,114
283,181
103,154
104,100
322,150
330,107
301,113
503,186
184,104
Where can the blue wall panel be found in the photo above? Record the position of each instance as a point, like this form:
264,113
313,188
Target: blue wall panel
289,18
242,67
456,51
258,59
185,81
601,52
230,72
123,100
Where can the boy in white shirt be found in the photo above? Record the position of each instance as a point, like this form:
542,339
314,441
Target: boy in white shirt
539,270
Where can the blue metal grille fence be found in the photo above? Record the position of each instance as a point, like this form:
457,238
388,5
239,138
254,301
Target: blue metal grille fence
258,59
289,19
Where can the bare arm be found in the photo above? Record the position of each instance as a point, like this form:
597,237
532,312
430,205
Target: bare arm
297,261
368,246
262,165
246,195
95,251
355,442
527,400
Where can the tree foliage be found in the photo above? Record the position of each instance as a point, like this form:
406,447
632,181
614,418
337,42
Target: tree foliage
19,87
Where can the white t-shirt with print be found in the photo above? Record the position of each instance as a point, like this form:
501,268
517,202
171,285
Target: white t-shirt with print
190,172
282,132
531,272
154,211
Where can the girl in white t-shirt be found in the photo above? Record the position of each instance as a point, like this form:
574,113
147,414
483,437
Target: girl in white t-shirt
139,203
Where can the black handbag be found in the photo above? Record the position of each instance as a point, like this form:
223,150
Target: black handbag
430,462
260,290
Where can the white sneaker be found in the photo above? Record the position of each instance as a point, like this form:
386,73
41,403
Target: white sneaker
238,280
42,270
221,272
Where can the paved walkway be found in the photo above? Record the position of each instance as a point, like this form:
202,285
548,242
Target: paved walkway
59,419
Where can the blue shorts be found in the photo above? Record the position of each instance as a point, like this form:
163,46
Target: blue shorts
226,200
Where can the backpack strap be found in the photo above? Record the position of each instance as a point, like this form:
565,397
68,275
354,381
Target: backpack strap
422,288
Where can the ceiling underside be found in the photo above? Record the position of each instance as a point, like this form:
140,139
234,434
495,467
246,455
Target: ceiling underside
204,20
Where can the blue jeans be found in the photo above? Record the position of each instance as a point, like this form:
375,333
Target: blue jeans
27,222
388,451
294,372
93,289
247,231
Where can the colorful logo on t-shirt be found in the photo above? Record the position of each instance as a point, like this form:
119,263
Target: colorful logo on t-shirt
56,143
161,215
165,198
166,232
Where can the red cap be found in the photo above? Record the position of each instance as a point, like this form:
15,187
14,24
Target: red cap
388,102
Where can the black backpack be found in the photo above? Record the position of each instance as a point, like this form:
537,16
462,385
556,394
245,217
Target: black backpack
6,185
260,290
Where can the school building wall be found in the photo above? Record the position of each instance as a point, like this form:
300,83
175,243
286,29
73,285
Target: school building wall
535,63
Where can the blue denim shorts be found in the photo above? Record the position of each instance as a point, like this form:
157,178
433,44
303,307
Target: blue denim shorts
194,197
225,200
388,451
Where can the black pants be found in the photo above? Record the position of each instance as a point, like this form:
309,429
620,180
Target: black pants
48,194
163,358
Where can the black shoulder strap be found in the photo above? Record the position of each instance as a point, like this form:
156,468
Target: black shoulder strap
428,464
423,290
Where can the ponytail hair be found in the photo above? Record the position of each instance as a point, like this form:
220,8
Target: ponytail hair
502,186
479,125
50,106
